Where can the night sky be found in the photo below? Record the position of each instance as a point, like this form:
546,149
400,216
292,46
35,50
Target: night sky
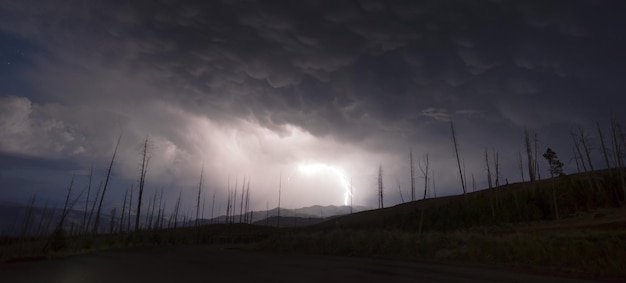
321,93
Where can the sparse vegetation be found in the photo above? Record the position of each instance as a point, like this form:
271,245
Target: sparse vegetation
570,223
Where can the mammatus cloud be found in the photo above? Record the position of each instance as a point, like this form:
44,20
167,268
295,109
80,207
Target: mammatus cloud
253,89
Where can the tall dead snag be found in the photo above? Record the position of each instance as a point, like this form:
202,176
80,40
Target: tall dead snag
350,195
177,209
604,150
104,189
228,200
520,163
234,210
434,185
203,207
280,181
400,190
28,216
58,241
556,169
243,192
142,181
151,211
199,193
617,153
490,184
247,210
584,140
531,162
536,140
425,173
161,212
130,206
380,187
146,223
473,183
123,211
39,231
112,223
458,160
496,163
82,226
93,207
212,206
412,176
579,138
424,170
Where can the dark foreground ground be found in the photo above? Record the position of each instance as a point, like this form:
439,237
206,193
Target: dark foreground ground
221,264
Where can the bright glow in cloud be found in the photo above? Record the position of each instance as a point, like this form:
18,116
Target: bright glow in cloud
307,168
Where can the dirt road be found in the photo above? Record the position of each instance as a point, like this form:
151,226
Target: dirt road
214,264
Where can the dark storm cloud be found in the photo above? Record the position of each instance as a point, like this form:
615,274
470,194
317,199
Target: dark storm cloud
381,76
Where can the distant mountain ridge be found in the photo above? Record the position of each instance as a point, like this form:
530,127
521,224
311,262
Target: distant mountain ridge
42,221
310,214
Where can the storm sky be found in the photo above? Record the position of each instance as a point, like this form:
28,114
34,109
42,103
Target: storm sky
262,89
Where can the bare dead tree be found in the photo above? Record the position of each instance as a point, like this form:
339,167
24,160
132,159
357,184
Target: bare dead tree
93,207
151,209
400,190
161,212
234,210
350,195
247,202
536,140
490,184
424,170
177,209
575,157
146,224
458,160
280,181
106,183
521,165
577,147
434,185
112,223
203,207
267,213
531,161
39,231
473,183
130,206
380,187
212,206
68,206
604,150
161,224
145,160
123,211
496,163
616,132
584,140
228,201
28,216
578,140
83,227
199,193
412,175
243,192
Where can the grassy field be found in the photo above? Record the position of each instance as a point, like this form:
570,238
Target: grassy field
577,246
